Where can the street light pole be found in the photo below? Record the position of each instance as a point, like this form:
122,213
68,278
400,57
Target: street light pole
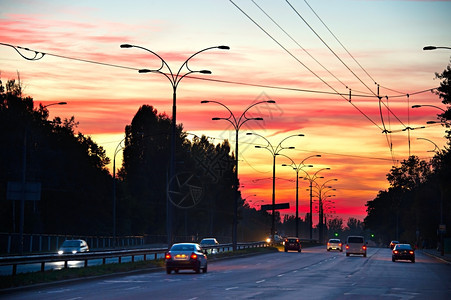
236,123
297,168
174,79
321,193
274,151
311,179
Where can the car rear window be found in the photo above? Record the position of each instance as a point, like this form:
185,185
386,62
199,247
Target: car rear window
292,240
355,239
182,248
403,247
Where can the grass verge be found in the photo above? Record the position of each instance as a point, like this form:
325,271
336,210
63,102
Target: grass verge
26,279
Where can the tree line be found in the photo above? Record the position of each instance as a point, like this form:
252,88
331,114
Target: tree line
416,208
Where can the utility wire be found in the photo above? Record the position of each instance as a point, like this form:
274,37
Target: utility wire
311,71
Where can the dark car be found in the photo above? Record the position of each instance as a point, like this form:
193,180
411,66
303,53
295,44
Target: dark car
185,256
292,243
403,252
393,243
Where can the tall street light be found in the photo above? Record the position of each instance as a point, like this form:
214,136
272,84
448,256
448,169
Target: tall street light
116,151
174,79
435,47
297,168
24,179
321,193
274,152
236,123
311,179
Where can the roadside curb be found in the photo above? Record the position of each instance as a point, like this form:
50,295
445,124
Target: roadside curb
446,258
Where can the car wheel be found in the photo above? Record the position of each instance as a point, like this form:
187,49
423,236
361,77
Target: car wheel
286,250
168,270
364,255
413,260
176,271
300,250
393,259
341,250
204,270
328,249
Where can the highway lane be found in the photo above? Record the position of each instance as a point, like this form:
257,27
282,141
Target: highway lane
312,274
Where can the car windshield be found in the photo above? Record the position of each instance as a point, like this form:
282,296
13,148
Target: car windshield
183,248
355,239
71,243
208,242
334,241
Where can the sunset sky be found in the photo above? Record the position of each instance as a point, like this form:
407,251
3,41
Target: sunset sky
307,56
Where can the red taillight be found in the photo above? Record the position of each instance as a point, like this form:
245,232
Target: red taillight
167,256
297,241
339,244
411,252
194,256
395,251
364,247
347,247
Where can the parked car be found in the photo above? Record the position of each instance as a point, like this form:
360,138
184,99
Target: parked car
292,243
334,244
185,256
393,243
356,245
73,247
403,252
206,242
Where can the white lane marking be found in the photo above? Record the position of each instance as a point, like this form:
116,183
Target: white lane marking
260,281
231,288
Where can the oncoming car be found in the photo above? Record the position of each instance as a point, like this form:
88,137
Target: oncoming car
185,256
292,243
403,252
73,247
207,242
334,244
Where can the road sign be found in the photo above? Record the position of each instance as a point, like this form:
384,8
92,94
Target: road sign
32,191
276,206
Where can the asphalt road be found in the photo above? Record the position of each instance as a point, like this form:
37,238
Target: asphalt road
312,274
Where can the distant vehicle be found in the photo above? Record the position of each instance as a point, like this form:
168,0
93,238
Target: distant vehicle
209,242
185,256
393,243
73,247
277,239
292,243
356,245
334,244
403,252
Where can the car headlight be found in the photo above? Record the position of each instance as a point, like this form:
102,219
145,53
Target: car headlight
74,251
60,252
268,240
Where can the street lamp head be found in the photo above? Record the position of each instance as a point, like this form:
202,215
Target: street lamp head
224,47
144,71
432,122
429,48
270,101
291,147
126,46
204,101
216,119
248,133
416,106
300,134
257,119
308,166
205,71
258,146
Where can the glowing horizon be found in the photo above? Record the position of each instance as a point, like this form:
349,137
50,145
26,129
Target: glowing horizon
348,134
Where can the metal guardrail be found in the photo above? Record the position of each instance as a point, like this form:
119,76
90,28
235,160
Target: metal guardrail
147,254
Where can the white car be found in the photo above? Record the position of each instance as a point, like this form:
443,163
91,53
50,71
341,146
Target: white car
73,247
334,244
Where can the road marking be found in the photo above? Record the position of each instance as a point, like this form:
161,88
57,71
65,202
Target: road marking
260,281
231,288
280,275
